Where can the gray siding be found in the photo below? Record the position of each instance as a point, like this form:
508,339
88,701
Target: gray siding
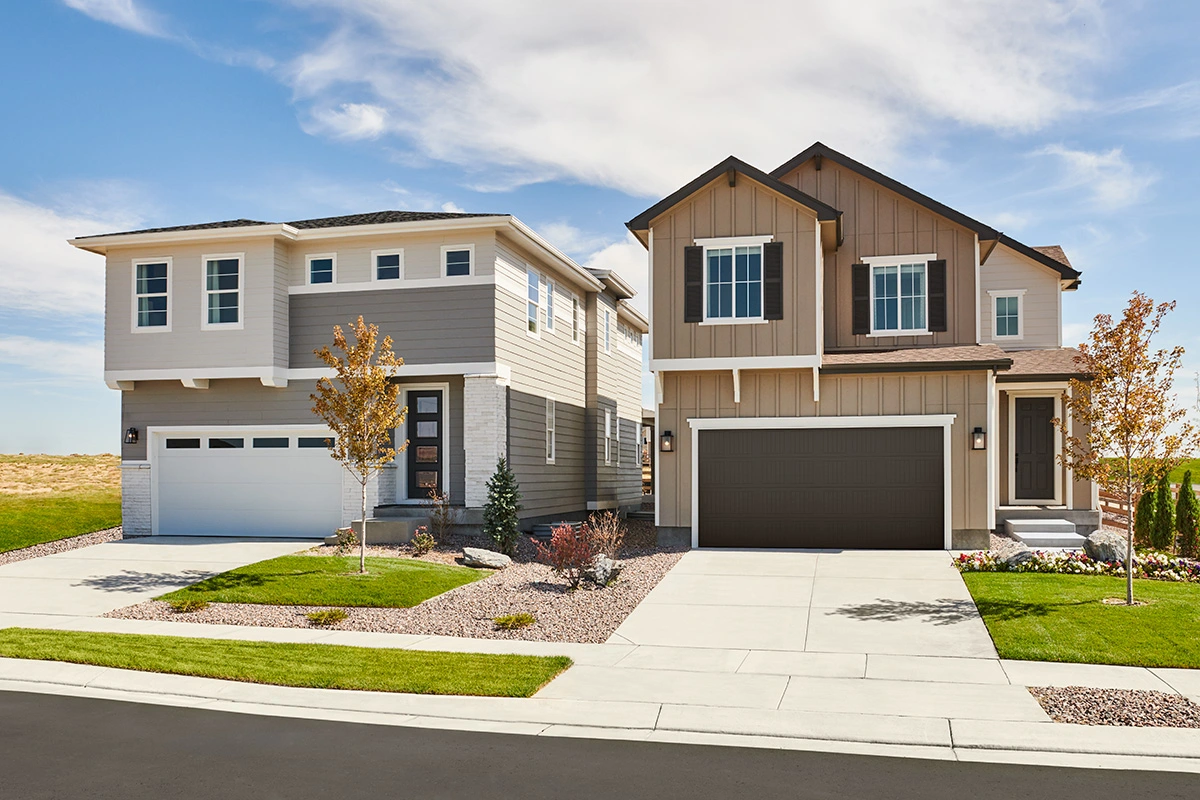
546,488
429,326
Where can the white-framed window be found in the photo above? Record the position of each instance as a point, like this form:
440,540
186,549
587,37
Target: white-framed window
322,268
607,436
617,437
576,326
152,294
387,265
899,295
458,260
550,424
1008,313
549,306
733,284
223,292
533,305
607,331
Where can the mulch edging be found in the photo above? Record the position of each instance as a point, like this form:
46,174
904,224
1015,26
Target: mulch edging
61,545
1139,708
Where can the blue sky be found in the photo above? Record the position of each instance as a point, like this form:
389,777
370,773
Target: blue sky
1075,123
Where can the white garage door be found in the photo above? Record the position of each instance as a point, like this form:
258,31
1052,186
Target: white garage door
267,482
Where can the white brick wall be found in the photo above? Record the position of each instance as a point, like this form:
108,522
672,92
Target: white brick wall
485,430
381,489
135,498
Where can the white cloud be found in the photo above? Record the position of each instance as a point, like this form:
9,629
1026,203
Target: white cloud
1109,179
75,362
122,13
629,260
453,208
641,96
350,121
572,240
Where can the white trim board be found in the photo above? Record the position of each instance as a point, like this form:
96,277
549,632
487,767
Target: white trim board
378,285
944,421
747,363
277,376
401,460
1013,394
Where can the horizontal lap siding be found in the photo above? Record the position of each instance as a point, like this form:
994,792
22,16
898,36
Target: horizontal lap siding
618,389
422,254
546,488
1040,305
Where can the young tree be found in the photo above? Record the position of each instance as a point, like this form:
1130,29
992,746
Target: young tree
500,513
360,406
1187,518
1163,537
1135,430
1143,518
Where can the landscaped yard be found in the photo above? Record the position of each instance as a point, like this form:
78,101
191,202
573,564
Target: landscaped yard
1192,464
304,580
1041,617
312,665
44,498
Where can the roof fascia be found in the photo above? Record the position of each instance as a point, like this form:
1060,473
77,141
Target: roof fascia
1068,273
102,244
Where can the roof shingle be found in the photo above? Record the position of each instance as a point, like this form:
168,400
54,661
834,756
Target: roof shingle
1058,362
373,218
956,356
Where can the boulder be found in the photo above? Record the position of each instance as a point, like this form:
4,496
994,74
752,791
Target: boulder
603,570
1019,557
1105,546
478,557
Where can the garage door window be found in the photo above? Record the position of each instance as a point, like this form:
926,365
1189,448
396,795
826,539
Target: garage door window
222,443
315,441
183,444
270,441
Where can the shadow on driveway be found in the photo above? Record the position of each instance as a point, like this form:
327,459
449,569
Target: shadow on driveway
128,579
936,612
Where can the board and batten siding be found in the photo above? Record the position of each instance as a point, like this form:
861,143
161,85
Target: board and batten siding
746,209
789,393
878,222
1041,304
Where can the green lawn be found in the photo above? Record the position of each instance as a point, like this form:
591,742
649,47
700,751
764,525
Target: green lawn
314,665
331,581
45,498
1038,617
1193,465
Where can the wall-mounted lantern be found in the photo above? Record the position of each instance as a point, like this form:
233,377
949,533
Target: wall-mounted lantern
666,442
978,439
131,436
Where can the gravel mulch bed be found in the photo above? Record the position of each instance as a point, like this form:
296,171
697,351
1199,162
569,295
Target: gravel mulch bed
1138,708
1004,546
588,614
61,546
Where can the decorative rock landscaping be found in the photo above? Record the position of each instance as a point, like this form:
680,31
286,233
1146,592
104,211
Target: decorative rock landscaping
61,545
1079,705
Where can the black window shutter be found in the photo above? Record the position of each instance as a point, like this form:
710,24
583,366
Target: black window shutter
860,292
693,284
936,275
773,280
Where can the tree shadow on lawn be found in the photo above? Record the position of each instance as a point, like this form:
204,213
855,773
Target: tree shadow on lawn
951,612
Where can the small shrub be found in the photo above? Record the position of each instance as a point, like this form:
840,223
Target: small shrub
1143,518
345,540
500,513
512,622
327,616
607,532
422,541
442,516
1162,536
188,604
1187,518
570,552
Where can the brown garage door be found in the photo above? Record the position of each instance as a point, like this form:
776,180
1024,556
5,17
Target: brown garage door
829,488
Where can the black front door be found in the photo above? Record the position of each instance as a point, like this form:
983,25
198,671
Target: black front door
1035,448
425,456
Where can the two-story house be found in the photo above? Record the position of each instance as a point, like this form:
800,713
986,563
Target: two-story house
510,349
843,362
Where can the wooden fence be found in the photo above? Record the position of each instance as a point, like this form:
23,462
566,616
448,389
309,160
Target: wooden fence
1115,505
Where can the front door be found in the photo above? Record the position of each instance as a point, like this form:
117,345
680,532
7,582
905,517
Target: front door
1034,449
425,457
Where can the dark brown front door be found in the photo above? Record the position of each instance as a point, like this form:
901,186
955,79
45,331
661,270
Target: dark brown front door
1034,448
824,488
425,457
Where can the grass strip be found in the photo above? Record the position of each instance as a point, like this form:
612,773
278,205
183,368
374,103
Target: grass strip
321,666
26,520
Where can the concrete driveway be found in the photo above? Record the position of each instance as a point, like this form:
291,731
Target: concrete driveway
94,580
902,603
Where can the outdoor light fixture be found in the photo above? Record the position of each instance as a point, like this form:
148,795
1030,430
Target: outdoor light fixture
666,442
131,436
978,439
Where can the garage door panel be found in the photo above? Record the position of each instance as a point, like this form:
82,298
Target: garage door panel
826,488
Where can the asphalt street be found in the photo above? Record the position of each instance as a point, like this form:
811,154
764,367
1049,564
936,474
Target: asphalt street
66,747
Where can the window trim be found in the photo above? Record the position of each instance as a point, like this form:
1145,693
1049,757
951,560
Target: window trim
532,276
447,248
725,243
375,254
134,327
551,430
205,325
311,257
608,331
607,436
1019,294
549,304
577,330
617,435
895,261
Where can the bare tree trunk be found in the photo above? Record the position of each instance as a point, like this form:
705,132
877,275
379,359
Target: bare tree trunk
362,540
1128,535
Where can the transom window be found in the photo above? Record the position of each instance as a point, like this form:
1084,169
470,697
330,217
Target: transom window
151,291
899,297
533,308
388,266
733,276
457,261
320,269
222,289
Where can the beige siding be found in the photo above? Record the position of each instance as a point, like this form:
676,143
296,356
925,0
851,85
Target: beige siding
1041,308
747,209
879,222
422,254
1078,493
790,394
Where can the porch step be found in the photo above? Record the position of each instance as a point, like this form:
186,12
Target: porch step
1044,533
401,511
647,516
546,529
394,530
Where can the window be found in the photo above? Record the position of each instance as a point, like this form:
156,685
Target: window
456,260
550,306
550,443
223,443
534,306
575,326
222,290
321,268
631,336
323,442
734,279
151,290
617,438
270,441
607,436
607,331
898,297
183,444
388,266
1006,304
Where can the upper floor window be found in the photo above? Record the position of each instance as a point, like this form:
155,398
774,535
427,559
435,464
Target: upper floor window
457,260
733,281
223,290
533,308
899,294
575,324
549,306
388,265
1006,305
607,331
321,268
151,291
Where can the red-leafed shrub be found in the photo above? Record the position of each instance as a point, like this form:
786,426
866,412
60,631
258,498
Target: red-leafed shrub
570,553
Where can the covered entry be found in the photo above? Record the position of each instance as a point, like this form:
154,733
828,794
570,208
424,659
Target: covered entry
838,482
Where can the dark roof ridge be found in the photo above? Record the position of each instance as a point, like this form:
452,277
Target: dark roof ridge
344,220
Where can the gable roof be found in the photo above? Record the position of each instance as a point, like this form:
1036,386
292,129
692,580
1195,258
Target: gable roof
824,211
1051,256
372,218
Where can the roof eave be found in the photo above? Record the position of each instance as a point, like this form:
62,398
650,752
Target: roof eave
102,243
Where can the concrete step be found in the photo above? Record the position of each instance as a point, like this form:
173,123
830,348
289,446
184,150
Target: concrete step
401,511
385,530
546,530
1044,533
1045,541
